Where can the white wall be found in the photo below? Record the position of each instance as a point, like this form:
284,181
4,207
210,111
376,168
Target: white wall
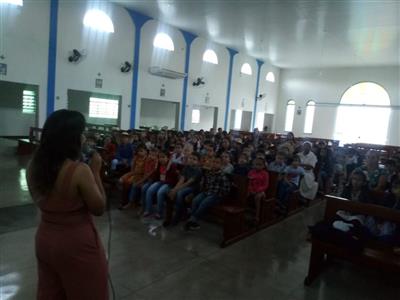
216,81
206,117
105,53
328,86
24,41
269,103
149,85
243,89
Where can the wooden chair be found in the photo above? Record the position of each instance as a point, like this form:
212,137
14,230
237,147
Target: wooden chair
374,255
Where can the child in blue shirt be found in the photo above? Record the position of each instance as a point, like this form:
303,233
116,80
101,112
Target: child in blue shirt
289,183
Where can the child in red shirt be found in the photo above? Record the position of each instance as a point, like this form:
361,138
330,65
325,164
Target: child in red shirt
150,173
258,184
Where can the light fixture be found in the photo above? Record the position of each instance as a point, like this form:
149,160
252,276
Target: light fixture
98,20
13,2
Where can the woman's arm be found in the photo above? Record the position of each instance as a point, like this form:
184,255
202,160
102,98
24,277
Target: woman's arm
91,187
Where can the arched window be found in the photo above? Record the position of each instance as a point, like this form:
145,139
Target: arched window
210,56
246,69
98,20
363,114
310,110
290,108
14,2
270,77
163,41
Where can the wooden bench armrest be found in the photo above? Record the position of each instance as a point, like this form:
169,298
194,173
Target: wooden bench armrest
334,204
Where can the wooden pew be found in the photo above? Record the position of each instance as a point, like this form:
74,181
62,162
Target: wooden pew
231,212
29,145
375,255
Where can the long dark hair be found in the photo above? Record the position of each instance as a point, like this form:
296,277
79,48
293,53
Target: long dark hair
60,140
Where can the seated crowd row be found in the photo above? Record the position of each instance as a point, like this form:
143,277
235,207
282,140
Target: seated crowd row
157,167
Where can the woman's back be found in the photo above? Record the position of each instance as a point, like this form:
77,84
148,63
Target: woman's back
64,204
70,257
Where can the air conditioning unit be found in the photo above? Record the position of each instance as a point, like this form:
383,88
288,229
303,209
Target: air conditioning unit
158,71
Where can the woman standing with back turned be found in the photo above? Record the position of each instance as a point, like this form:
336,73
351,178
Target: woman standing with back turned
70,256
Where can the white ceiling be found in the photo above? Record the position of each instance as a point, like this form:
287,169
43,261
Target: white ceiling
291,34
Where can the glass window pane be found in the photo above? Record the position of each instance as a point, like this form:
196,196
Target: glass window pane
310,110
354,115
195,116
246,69
163,41
210,56
290,108
28,102
238,119
103,108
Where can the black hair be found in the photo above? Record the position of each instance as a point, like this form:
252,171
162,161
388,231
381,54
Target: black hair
165,152
361,174
196,154
61,140
140,147
295,158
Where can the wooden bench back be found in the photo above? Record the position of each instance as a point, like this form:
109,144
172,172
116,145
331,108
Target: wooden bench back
239,190
334,204
273,185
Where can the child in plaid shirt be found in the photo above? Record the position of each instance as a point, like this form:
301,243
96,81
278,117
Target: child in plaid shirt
216,185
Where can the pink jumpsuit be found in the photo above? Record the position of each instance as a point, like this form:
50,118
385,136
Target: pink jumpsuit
70,256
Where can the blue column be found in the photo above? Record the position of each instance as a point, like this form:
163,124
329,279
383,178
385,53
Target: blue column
139,20
232,53
51,63
259,64
189,37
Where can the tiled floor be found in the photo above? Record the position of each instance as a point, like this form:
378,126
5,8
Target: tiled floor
173,264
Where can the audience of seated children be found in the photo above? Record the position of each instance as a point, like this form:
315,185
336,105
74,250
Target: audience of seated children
124,155
207,156
326,167
187,151
385,230
258,184
278,165
289,183
132,180
167,178
150,174
242,168
308,186
392,172
357,190
376,176
215,186
177,155
188,183
110,149
227,167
